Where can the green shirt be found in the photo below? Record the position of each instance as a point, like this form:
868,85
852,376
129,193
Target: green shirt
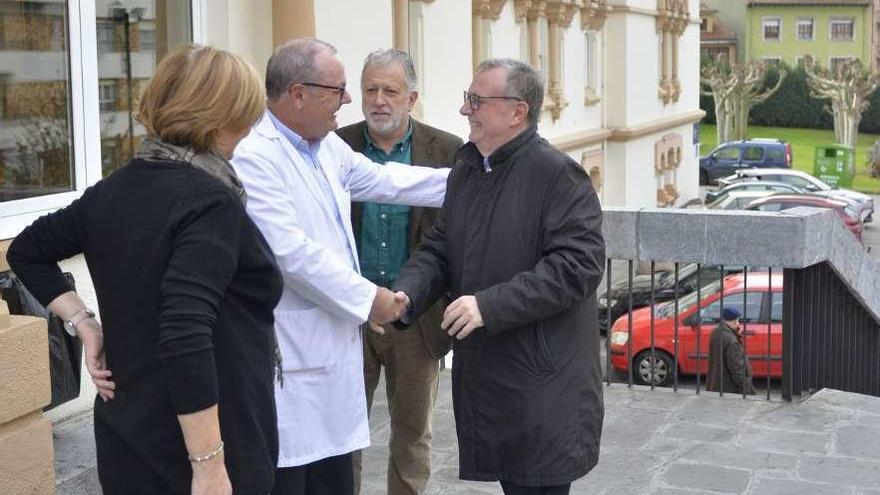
385,228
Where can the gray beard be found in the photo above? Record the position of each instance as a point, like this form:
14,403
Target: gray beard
386,127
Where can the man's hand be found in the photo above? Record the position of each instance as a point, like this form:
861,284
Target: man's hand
387,307
92,336
462,317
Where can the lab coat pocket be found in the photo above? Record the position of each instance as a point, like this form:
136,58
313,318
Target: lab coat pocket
306,339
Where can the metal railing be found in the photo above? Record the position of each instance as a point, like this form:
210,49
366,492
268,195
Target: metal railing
804,287
830,339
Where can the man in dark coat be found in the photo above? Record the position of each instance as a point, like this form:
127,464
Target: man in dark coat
386,235
518,248
729,367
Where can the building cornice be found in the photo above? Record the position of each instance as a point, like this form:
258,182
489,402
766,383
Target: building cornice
627,9
623,134
580,139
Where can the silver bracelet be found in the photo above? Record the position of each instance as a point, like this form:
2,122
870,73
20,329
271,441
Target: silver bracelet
207,457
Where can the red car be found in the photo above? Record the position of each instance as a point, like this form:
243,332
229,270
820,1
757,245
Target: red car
779,202
758,298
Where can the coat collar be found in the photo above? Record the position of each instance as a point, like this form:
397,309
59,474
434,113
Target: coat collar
500,156
266,128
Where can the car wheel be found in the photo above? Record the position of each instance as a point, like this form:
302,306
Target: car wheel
663,368
704,178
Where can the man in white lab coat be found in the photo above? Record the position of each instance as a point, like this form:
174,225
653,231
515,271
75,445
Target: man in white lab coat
300,178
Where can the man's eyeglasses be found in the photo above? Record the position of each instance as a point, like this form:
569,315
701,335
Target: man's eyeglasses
335,89
475,100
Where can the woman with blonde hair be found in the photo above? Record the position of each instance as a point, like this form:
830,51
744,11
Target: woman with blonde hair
184,355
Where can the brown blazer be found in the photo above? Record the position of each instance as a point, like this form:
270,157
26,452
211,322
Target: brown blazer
430,147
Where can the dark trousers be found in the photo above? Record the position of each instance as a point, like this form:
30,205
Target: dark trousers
511,489
330,476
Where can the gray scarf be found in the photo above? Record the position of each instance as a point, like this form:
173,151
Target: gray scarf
152,149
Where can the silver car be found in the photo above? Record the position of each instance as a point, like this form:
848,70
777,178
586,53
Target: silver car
862,203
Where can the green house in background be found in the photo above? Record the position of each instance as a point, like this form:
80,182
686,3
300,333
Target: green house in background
828,30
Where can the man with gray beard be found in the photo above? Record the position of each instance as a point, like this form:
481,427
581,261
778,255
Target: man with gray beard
385,236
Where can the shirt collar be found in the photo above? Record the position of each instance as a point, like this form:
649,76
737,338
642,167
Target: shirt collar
401,147
295,139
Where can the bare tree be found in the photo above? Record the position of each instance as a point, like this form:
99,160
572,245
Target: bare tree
848,86
736,89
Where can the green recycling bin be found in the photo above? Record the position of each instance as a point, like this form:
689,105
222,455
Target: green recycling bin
835,165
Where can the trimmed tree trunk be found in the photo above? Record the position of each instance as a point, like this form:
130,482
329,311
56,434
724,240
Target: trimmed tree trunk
848,87
736,89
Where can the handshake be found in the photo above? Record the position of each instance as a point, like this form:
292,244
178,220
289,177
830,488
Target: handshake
387,307
461,317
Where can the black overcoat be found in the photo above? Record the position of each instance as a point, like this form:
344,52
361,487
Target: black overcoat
729,367
526,239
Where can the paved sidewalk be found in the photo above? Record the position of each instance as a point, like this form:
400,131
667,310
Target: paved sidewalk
678,443
653,443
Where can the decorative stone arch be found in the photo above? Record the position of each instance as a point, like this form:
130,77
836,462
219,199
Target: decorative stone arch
673,17
667,158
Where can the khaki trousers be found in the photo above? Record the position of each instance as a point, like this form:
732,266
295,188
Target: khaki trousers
411,380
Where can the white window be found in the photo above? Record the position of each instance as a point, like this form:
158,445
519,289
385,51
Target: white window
105,36
842,29
107,95
591,67
147,36
771,28
804,29
62,95
801,60
834,62
773,61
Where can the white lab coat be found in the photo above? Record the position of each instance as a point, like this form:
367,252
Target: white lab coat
322,410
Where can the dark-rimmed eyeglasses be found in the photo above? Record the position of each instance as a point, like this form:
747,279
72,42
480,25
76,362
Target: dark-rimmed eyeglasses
336,89
475,100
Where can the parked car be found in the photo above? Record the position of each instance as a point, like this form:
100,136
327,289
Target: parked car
779,202
863,204
664,289
753,185
737,200
727,158
758,298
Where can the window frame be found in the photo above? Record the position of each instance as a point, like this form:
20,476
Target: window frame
801,21
764,22
837,20
85,141
773,60
108,83
592,59
834,58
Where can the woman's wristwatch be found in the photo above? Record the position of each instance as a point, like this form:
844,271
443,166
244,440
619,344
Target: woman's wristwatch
76,319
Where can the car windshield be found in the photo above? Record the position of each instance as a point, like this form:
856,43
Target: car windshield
805,183
667,309
683,272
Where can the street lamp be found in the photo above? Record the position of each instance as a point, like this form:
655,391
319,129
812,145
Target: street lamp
120,13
